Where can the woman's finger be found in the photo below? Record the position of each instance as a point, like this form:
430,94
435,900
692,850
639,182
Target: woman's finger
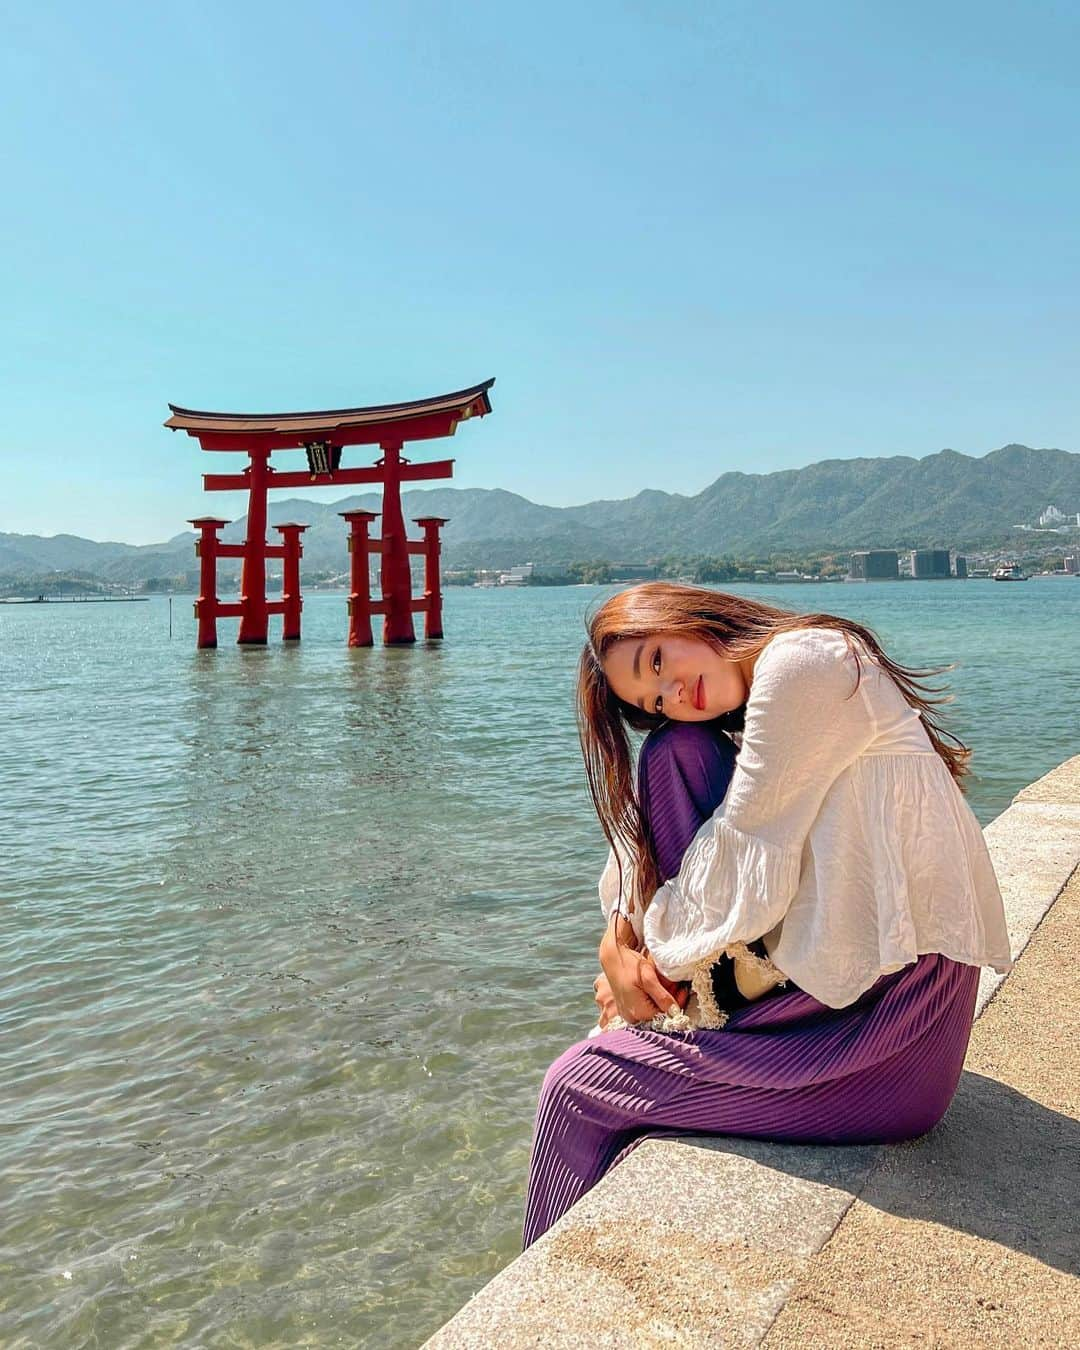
653,988
672,986
640,1009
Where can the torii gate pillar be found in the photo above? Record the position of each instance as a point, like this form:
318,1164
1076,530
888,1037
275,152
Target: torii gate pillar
360,546
432,584
254,615
291,601
396,576
207,547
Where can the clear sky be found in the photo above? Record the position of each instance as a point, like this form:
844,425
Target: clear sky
685,238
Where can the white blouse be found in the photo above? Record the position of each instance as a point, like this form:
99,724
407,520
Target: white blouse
843,840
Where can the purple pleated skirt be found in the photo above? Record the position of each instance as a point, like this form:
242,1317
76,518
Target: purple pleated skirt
787,1068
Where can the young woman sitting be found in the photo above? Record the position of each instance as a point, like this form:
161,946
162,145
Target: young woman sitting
794,930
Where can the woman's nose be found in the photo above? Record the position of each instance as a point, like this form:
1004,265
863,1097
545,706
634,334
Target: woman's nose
673,691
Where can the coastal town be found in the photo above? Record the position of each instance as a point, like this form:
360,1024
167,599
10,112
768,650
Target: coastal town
878,564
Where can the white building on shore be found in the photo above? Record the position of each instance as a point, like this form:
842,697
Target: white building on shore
518,575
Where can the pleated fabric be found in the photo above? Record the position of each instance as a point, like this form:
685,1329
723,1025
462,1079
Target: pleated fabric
684,770
787,1067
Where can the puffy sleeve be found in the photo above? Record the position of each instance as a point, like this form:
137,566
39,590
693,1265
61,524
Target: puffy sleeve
612,897
808,717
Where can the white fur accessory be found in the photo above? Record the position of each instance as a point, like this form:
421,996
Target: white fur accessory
754,975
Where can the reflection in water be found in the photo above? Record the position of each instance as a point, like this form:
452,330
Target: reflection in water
391,706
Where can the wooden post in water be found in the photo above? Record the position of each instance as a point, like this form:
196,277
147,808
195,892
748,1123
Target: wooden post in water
395,576
361,545
253,604
291,600
432,588
206,550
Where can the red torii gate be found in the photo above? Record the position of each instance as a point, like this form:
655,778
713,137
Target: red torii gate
322,435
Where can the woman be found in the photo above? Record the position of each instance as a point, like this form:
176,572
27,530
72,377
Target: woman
836,850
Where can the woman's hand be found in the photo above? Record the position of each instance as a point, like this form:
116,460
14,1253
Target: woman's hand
604,1000
638,990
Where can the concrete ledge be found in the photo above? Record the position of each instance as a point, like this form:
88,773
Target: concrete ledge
965,1235
1035,846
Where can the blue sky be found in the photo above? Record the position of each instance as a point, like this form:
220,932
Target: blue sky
685,238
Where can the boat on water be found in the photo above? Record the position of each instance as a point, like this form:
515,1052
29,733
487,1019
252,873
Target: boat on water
1009,572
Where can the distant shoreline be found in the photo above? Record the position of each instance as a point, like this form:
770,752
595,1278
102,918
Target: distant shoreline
89,599
343,591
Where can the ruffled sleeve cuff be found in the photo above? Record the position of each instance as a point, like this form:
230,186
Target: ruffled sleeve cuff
732,888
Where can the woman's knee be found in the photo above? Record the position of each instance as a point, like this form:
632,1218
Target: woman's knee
566,1071
691,759
686,742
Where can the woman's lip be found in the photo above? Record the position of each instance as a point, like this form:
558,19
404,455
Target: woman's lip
699,694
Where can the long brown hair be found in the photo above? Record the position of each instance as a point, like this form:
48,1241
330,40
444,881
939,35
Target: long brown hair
737,628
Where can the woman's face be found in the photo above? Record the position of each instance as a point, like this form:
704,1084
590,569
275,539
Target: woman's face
678,677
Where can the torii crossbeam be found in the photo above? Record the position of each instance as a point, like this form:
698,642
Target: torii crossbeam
323,435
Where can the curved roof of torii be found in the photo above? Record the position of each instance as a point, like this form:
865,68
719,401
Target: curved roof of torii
420,419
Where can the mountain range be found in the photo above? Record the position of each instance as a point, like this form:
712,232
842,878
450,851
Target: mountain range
942,499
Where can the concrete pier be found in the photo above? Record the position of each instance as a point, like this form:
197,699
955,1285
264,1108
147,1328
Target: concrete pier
968,1236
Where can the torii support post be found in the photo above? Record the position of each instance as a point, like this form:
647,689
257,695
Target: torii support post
396,575
432,589
206,550
292,602
254,614
360,548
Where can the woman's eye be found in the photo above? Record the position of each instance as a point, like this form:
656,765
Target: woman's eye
656,661
659,705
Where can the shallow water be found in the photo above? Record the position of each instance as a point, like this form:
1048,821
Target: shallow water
289,935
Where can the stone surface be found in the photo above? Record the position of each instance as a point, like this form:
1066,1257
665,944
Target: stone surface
964,1237
702,1238
971,1236
1035,846
1061,785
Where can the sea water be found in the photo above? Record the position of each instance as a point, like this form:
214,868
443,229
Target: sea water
288,936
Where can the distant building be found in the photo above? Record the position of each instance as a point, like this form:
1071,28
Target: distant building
633,571
1052,516
1072,565
930,564
517,575
874,564
961,566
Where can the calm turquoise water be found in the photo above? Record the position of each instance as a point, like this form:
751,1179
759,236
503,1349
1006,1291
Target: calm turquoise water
288,937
